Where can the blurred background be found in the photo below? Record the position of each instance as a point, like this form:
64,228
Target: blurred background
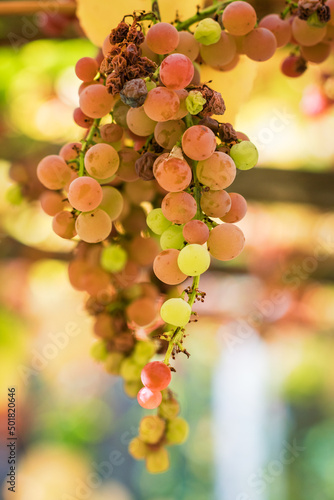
258,388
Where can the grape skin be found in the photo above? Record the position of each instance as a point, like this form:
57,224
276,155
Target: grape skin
193,260
198,142
226,242
239,18
176,71
149,399
93,227
85,194
95,101
101,161
175,312
179,208
156,376
217,172
162,38
161,104
53,172
166,269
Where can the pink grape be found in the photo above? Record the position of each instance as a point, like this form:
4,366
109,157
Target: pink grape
168,133
52,202
106,46
139,123
217,172
305,34
70,152
199,142
281,28
316,53
239,18
179,208
182,111
215,203
156,376
86,69
162,38
176,71
166,269
188,45
260,44
173,174
63,225
161,104
111,132
226,242
94,226
293,66
238,208
101,161
220,53
149,399
85,194
95,101
196,232
81,119
53,172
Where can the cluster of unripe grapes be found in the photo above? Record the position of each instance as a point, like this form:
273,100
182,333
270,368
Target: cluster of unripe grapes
146,190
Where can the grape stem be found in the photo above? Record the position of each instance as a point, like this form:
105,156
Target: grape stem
291,5
85,144
178,333
216,8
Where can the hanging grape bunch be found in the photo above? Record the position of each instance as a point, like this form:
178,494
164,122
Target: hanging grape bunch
144,193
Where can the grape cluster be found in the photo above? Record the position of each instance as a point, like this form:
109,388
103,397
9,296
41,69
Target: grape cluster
145,192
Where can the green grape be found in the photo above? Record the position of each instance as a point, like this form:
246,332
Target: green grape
138,449
14,195
150,85
113,259
245,155
113,362
157,461
176,312
169,408
99,351
131,387
193,260
143,352
177,431
172,238
151,429
157,222
130,370
207,32
195,102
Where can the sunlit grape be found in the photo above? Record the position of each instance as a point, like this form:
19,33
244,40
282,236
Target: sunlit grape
113,258
53,172
245,155
193,260
156,221
179,208
207,31
176,71
149,399
162,38
95,101
101,161
199,142
85,194
175,312
156,376
238,208
161,104
86,69
172,237
217,172
239,18
63,225
215,203
166,268
226,242
94,226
